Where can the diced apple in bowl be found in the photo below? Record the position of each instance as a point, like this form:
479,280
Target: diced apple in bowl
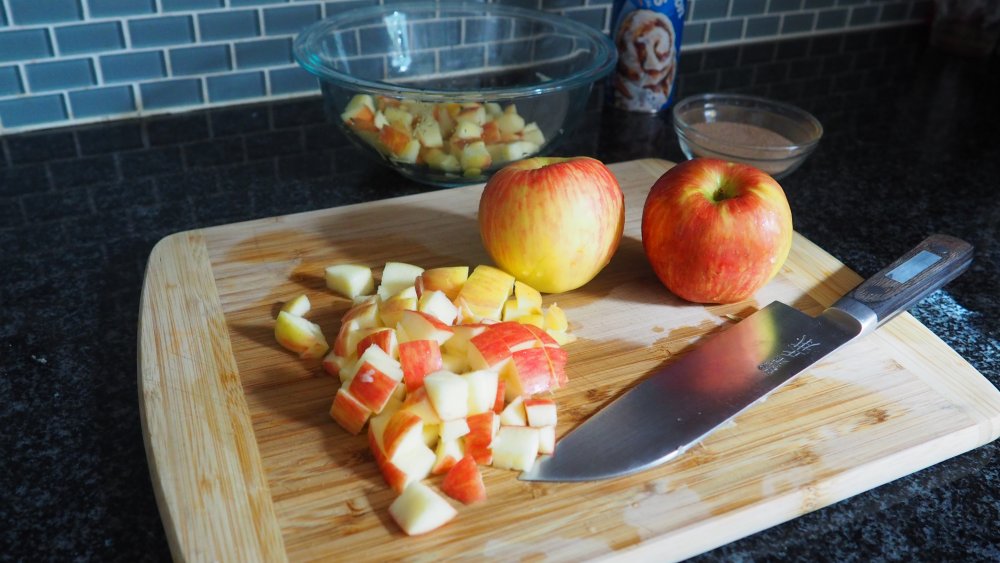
439,135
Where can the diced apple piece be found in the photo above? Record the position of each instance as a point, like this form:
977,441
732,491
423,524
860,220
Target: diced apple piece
468,131
334,364
453,429
458,344
479,440
372,386
445,118
555,319
436,158
384,338
528,373
511,311
404,431
517,150
416,462
349,280
528,298
391,310
397,276
420,510
547,440
464,482
377,358
364,312
299,335
482,390
563,338
454,363
515,447
360,112
380,122
418,358
449,279
394,139
419,403
533,134
411,464
297,306
510,123
382,418
398,117
496,151
471,113
448,393
394,476
491,135
475,156
493,109
349,412
421,326
319,347
488,350
513,414
438,305
409,154
557,363
540,412
545,338
516,336
448,453
428,132
485,292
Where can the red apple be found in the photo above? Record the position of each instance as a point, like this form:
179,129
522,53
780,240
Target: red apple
715,231
553,223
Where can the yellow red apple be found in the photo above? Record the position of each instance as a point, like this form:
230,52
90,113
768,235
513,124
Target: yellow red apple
552,223
716,231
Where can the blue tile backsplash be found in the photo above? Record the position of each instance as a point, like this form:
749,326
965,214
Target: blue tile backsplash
65,62
31,12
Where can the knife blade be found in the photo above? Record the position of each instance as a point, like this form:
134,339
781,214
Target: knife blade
701,391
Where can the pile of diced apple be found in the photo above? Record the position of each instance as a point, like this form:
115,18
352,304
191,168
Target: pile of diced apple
449,370
457,138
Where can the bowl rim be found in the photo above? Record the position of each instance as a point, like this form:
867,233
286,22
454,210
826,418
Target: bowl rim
605,57
685,128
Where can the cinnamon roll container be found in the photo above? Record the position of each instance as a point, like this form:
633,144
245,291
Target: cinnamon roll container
648,39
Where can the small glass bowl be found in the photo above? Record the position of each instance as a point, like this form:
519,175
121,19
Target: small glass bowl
772,136
405,80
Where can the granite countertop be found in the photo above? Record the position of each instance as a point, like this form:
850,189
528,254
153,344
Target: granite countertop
910,148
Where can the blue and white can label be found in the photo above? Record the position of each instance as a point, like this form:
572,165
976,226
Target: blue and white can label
648,36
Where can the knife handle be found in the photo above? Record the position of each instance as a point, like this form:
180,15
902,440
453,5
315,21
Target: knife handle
915,275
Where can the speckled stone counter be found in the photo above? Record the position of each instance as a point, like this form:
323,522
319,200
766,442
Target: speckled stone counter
911,147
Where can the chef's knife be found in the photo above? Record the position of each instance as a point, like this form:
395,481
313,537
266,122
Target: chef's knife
680,405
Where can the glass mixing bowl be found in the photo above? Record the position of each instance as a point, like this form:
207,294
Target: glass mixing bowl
446,93
773,136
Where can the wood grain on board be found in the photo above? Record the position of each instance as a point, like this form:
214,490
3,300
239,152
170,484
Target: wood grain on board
247,464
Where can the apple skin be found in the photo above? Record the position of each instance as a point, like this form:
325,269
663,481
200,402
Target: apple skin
552,223
716,231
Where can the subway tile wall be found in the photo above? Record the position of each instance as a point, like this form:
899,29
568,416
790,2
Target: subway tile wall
66,62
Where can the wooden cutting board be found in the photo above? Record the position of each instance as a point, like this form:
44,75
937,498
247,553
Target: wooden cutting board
247,464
